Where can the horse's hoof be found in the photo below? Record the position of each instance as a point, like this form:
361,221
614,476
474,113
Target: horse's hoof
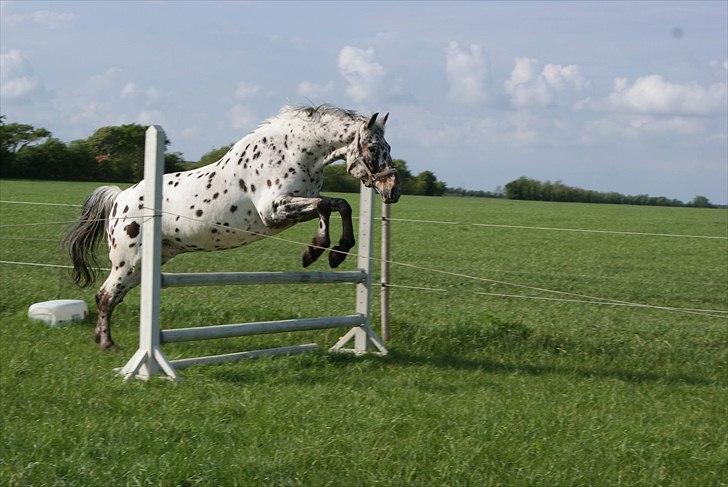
307,259
335,257
310,255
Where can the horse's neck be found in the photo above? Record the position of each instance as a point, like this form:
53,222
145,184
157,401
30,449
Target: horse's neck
327,133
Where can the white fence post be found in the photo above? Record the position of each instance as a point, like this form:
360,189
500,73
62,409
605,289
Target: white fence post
364,262
384,280
148,360
363,335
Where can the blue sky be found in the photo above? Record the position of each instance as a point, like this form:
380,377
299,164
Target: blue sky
611,96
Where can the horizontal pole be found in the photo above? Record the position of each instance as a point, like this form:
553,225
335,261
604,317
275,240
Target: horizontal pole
233,357
259,328
223,278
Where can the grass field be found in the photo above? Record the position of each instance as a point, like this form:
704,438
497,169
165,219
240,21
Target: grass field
477,390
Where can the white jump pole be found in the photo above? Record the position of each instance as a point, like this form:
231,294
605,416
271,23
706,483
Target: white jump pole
149,359
365,339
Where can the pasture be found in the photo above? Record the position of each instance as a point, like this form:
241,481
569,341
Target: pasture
477,389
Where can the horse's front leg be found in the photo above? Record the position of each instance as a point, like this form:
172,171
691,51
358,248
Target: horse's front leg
347,241
291,210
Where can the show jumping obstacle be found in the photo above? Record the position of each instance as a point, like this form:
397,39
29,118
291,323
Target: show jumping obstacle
149,360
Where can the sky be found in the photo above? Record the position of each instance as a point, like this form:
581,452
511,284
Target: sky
628,97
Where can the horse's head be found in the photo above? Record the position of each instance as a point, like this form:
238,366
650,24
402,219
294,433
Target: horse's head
368,160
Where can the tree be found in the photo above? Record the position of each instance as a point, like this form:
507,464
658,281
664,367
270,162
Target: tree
336,178
213,155
82,163
119,150
15,136
701,202
49,160
425,183
174,162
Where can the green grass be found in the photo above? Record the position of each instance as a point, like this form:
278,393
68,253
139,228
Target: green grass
477,390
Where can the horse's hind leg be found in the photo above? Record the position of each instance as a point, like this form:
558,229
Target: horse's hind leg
123,277
347,241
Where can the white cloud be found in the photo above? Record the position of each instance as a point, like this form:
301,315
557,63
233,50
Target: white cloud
654,95
241,117
45,18
246,90
527,87
129,89
466,70
519,129
314,90
18,81
363,73
560,77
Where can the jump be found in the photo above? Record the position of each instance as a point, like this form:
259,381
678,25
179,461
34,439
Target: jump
269,180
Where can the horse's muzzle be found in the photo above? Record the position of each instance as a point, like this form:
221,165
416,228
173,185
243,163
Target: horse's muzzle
388,188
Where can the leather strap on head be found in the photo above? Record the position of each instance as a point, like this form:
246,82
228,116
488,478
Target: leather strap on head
357,160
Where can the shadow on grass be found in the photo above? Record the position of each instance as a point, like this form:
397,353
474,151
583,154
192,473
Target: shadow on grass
316,372
398,358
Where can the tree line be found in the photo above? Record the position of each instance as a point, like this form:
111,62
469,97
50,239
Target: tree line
525,188
114,153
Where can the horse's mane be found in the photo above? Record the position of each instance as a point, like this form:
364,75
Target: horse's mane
317,111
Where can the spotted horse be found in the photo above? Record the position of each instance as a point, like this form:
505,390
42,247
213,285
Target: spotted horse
268,181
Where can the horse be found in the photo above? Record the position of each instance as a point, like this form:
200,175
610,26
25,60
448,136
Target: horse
268,181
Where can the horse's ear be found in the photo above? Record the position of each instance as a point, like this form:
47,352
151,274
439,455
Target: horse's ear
372,120
384,120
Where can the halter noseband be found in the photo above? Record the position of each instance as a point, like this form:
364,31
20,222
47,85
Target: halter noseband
372,177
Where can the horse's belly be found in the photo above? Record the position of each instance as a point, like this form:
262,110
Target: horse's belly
220,226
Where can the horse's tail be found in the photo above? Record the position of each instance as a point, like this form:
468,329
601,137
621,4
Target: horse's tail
84,235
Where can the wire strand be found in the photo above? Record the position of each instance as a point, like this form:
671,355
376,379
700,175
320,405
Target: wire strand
38,264
702,312
38,203
443,222
556,229
440,271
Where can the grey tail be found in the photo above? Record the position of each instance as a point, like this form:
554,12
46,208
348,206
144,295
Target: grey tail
84,235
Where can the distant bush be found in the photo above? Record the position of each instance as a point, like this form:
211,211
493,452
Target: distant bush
525,188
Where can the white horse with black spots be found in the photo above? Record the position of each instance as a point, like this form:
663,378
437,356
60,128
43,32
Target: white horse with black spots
268,181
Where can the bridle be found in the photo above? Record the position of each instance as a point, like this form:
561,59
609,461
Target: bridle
371,177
